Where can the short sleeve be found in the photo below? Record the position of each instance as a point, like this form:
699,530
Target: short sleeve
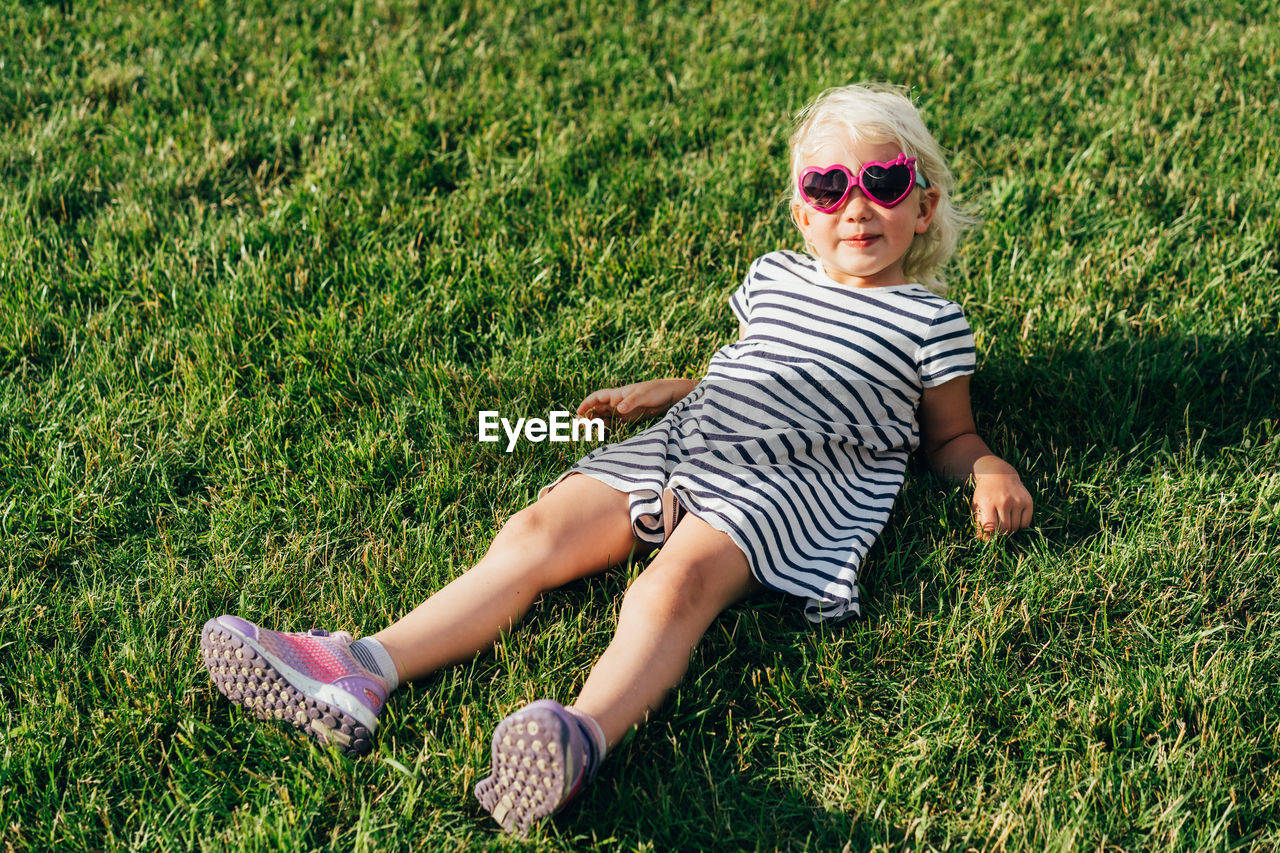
948,350
740,301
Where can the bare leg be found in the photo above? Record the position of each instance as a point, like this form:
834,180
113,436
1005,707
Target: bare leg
698,573
580,528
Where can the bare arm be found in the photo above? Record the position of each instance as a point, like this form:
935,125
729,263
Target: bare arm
1001,504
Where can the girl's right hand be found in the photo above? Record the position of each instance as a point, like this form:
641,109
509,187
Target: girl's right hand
635,401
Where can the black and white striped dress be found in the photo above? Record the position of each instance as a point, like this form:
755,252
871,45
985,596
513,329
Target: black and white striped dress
796,442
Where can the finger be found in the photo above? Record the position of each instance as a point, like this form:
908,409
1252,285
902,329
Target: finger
984,528
597,401
1004,520
602,401
1013,518
995,522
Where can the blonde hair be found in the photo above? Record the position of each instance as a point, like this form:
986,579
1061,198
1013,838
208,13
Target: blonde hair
876,113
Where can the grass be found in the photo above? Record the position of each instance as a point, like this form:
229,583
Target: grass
262,263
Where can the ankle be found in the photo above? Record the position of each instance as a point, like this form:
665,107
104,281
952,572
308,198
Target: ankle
591,729
373,656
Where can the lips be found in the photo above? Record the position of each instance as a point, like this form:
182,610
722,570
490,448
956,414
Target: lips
861,240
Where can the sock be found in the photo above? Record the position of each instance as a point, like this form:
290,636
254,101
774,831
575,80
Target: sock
374,657
594,734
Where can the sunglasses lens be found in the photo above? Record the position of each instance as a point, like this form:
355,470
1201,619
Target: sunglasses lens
825,189
886,185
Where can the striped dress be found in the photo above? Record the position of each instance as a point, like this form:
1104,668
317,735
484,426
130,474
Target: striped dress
796,442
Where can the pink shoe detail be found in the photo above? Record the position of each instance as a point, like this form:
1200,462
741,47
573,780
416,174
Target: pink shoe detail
312,680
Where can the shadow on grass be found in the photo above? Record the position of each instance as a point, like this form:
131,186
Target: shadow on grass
1078,416
1130,399
1089,426
1076,419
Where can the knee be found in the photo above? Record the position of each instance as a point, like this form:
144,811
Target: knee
528,528
526,543
532,544
669,592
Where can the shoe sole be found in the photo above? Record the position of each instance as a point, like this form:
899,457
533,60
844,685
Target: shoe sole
527,770
248,678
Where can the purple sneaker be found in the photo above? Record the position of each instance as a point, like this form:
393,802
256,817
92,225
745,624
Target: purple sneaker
312,680
542,758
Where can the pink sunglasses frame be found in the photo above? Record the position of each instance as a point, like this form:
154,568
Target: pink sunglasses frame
917,180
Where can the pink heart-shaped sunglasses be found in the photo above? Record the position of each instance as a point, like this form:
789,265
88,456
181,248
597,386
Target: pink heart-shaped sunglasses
887,184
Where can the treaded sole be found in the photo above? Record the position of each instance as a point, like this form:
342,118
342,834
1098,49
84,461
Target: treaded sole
527,770
249,680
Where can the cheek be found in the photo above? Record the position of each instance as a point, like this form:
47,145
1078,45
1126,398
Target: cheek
807,222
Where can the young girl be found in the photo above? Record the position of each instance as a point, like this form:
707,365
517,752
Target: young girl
775,472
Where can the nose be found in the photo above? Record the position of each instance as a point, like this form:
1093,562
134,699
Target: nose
857,206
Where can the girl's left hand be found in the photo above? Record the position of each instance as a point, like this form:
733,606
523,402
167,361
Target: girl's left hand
1001,504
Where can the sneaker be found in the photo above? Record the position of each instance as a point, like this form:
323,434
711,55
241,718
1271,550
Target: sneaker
541,759
312,680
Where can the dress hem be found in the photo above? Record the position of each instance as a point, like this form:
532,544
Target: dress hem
813,606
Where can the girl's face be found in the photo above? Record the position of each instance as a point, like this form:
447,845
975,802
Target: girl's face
862,243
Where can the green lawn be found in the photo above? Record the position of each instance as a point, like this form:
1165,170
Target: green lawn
262,264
